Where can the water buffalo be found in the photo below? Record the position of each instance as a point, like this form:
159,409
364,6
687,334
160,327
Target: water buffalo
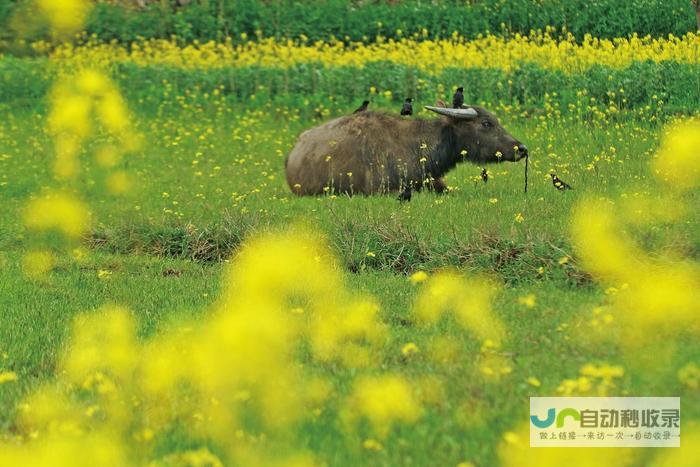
374,152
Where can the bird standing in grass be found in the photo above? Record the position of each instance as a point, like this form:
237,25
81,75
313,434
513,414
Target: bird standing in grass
362,108
560,184
407,108
458,98
405,194
484,175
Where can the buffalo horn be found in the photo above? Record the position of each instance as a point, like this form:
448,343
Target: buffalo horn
462,114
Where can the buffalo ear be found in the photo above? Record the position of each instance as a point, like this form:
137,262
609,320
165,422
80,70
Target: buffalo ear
440,103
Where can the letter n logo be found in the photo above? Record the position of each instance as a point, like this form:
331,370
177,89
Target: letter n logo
567,412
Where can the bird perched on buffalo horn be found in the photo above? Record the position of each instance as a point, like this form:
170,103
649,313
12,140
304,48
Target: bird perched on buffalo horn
458,98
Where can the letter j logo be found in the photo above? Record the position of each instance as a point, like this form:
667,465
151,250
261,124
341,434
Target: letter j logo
551,415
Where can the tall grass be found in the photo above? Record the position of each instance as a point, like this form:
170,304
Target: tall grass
655,88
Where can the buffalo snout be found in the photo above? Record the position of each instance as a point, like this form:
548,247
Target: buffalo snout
522,151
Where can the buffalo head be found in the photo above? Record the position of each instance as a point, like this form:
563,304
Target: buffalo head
479,132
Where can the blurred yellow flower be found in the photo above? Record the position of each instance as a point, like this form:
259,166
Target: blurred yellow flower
372,445
57,211
689,376
469,299
7,376
532,381
104,274
118,182
678,160
418,277
66,17
409,349
383,401
37,263
528,300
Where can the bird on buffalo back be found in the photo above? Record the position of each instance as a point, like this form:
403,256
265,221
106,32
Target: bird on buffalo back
458,98
560,184
362,108
407,108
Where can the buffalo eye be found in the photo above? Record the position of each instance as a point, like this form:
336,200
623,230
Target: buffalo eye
486,124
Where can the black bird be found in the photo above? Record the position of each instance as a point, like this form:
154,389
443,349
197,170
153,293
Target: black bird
407,108
458,98
362,108
560,184
405,194
484,175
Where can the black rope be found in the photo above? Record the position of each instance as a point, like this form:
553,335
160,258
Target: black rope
527,158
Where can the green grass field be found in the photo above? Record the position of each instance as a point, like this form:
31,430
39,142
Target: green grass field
165,300
211,176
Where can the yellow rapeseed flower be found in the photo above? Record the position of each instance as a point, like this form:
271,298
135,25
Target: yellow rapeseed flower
678,161
37,263
372,444
418,277
567,54
7,376
57,211
469,300
689,376
66,17
409,349
383,400
532,381
528,300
